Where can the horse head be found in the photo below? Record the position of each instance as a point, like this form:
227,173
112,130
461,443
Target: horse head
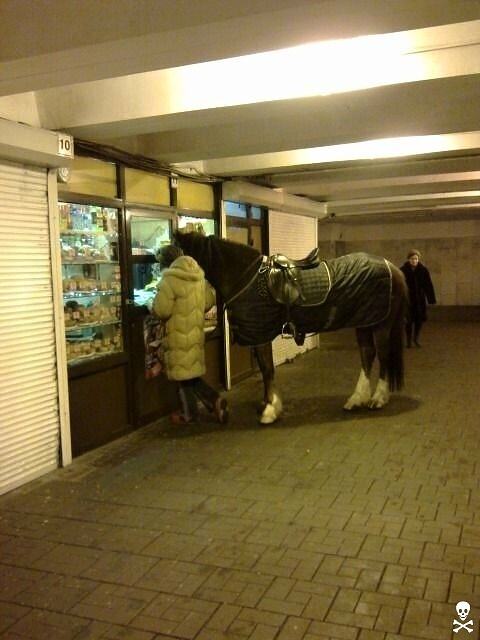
223,261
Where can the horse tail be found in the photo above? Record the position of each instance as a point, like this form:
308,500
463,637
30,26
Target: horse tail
395,364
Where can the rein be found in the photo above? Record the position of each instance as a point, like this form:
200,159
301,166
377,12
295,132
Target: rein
260,259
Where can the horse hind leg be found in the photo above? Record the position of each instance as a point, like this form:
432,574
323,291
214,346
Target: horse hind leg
272,402
382,392
389,342
361,397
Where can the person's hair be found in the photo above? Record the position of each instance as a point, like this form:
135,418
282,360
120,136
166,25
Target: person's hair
167,254
414,252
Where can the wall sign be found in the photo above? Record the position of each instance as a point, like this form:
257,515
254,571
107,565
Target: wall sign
65,145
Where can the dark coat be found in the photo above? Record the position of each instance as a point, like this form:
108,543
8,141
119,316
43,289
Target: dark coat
420,288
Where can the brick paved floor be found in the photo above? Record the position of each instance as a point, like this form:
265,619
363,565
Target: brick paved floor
326,525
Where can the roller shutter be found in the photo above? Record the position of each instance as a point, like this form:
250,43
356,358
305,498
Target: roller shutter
29,416
294,236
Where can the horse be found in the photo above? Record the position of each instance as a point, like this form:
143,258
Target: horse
269,296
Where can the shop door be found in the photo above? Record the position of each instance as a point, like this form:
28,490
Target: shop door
244,225
29,410
151,394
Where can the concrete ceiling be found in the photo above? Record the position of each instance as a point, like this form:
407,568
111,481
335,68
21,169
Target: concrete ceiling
182,82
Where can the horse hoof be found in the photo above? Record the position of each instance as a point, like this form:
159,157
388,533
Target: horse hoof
268,417
354,403
377,403
272,410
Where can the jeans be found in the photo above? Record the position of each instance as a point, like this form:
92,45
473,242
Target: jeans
192,391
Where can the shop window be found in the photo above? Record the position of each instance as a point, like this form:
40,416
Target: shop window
149,234
245,223
194,223
235,209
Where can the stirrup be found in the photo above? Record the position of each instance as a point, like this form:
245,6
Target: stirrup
288,330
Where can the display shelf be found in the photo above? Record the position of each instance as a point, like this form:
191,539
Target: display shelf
90,325
92,288
67,261
90,357
88,232
70,295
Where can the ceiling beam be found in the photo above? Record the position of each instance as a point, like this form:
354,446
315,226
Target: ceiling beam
50,44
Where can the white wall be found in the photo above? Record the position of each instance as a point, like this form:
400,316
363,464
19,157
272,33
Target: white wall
294,236
450,250
20,108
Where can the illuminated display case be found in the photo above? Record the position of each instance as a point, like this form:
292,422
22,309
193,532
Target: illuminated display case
91,278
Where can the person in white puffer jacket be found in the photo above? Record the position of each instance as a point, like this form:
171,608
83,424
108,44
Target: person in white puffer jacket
182,297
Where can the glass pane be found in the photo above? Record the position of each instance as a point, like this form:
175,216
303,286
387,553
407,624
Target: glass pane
235,209
91,281
201,225
256,235
148,235
256,213
238,234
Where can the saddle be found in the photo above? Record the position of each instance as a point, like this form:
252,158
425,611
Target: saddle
284,287
282,276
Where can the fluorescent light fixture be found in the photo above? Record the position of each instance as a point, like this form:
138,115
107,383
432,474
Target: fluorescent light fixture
365,150
327,67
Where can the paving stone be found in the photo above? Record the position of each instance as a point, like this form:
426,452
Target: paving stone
14,580
120,568
68,559
170,576
243,588
223,617
112,603
55,593
177,546
22,551
10,613
361,526
175,615
46,625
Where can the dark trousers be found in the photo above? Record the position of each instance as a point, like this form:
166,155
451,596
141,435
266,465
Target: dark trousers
192,391
414,328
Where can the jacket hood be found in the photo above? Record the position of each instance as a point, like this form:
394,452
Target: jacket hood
185,268
419,266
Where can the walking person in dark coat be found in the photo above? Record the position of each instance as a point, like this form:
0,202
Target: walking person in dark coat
421,291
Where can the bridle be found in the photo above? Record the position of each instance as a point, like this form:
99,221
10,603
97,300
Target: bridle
255,267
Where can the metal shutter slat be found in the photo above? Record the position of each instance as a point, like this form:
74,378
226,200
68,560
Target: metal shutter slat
293,236
29,419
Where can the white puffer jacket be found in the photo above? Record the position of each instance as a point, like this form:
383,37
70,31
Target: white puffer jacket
182,298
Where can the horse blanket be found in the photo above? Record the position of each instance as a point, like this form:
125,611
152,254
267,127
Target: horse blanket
351,291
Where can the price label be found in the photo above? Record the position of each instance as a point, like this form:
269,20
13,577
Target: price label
65,145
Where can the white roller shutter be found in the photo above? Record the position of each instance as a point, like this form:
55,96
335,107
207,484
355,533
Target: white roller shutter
29,416
294,236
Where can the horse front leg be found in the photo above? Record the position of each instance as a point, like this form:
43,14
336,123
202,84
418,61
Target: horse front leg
272,402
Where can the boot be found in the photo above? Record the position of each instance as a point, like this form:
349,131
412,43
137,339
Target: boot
221,410
416,335
409,336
